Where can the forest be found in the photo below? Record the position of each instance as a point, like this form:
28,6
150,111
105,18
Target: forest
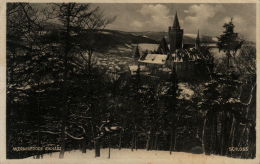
57,96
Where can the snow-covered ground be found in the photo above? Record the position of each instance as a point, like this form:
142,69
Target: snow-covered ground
111,61
186,92
126,156
191,35
217,55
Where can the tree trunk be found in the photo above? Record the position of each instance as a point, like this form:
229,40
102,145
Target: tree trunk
211,146
231,132
136,139
38,144
84,145
171,140
242,153
232,138
63,135
156,141
132,141
63,131
109,145
228,59
221,140
223,134
246,116
217,134
226,133
148,141
174,138
97,147
65,76
202,136
120,140
39,123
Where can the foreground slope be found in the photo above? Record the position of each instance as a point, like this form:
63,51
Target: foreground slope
125,156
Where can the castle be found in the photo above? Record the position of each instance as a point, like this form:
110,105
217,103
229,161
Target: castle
188,60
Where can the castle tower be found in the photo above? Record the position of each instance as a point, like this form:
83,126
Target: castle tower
197,44
175,35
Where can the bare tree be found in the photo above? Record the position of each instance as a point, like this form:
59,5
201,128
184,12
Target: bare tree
76,19
23,30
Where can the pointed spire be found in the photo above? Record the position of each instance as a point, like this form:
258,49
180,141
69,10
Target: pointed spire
176,24
198,40
198,36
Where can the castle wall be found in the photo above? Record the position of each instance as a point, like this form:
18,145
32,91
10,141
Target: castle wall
186,71
191,70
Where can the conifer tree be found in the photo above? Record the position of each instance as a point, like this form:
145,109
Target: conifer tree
229,42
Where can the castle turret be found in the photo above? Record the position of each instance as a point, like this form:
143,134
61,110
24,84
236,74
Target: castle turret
137,53
197,44
175,35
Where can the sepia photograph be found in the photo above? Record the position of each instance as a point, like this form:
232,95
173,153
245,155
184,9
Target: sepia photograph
130,80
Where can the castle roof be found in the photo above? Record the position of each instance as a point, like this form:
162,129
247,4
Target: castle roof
163,47
154,59
176,24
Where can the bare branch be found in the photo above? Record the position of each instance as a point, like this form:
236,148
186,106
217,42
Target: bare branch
73,137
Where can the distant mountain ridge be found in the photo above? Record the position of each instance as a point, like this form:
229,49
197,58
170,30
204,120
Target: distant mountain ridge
141,37
187,38
105,39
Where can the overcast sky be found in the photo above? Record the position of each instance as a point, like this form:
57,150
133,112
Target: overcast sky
208,18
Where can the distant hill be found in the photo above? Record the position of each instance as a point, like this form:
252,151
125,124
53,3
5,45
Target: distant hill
187,38
105,39
151,34
141,37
